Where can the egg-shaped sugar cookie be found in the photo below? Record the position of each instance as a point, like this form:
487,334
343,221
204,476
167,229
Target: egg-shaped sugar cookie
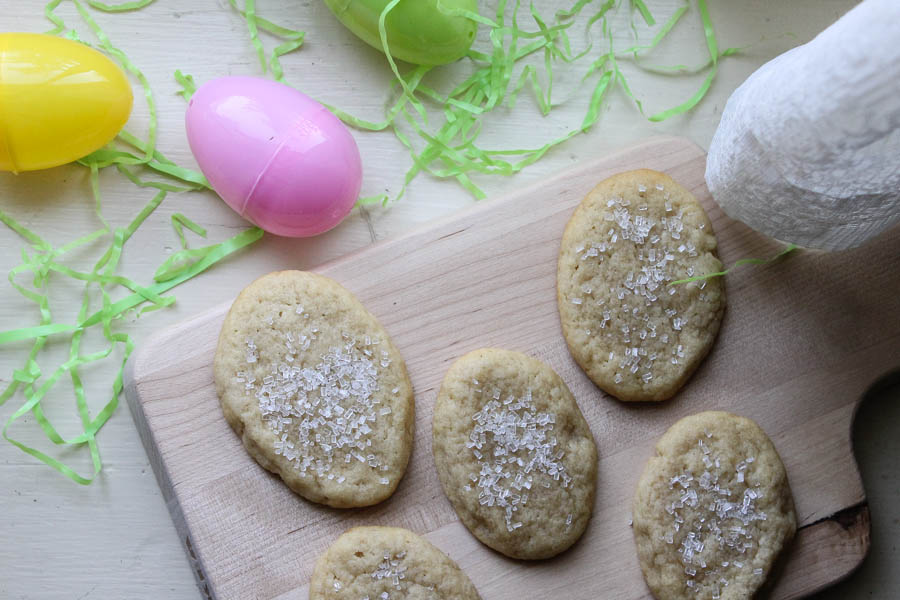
514,454
316,389
713,510
387,563
637,336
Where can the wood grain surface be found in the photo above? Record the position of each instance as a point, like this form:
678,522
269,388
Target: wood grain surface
801,343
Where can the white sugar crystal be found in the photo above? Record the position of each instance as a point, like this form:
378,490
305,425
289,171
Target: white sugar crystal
323,413
646,286
252,353
393,571
713,520
518,443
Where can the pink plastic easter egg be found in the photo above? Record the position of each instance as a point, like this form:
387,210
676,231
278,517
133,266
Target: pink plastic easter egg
277,157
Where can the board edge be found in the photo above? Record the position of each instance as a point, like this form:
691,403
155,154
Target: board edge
854,519
135,406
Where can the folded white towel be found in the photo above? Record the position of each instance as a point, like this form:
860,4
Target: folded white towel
808,149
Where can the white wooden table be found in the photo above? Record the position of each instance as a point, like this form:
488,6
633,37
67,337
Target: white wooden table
114,539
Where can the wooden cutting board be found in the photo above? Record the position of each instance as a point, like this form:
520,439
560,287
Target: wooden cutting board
802,341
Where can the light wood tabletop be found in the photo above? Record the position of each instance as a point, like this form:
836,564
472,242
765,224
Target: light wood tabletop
115,538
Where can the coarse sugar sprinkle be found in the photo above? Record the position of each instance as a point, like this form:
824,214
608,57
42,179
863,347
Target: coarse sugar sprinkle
393,571
712,517
512,443
643,294
322,414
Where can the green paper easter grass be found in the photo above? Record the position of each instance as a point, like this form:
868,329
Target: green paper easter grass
453,144
447,149
293,40
43,260
451,149
120,7
645,12
188,86
744,261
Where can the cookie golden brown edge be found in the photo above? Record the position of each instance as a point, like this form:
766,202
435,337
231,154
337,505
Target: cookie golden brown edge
713,510
514,454
637,336
315,388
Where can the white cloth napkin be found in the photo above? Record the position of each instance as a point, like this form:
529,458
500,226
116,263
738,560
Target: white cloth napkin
808,149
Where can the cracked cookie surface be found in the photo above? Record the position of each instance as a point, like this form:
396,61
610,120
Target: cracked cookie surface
713,510
313,385
514,454
387,563
636,336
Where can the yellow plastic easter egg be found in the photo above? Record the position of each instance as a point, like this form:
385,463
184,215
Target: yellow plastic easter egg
59,100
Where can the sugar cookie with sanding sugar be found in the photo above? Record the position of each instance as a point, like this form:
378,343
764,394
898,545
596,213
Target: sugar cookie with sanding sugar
315,388
514,454
713,510
387,563
637,337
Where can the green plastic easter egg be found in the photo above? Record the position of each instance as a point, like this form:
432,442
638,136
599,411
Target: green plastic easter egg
417,31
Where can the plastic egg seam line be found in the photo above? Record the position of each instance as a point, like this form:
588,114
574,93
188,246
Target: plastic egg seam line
262,174
4,137
4,143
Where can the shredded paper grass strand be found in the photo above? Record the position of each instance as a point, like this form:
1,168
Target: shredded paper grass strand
440,131
133,157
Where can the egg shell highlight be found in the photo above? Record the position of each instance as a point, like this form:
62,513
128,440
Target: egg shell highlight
418,31
59,101
277,157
